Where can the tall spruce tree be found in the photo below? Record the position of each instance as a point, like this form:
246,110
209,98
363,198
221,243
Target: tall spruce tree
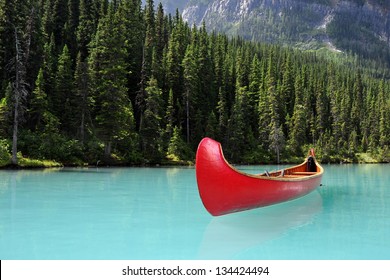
161,39
39,104
237,126
86,27
151,129
384,116
113,111
23,27
3,28
297,130
63,103
82,98
71,26
60,17
191,86
6,113
170,119
222,112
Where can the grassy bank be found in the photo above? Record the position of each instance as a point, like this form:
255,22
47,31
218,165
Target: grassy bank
29,163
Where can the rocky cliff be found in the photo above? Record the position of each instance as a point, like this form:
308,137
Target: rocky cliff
359,26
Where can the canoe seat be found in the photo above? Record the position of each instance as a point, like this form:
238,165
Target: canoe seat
303,173
293,176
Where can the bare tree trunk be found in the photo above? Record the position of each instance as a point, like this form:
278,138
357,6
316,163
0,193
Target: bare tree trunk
107,150
17,97
188,117
84,86
14,159
82,126
19,85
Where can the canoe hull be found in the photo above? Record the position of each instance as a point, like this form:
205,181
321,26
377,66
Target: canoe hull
223,189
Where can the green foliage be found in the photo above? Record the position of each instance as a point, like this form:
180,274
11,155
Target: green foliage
63,102
114,116
36,163
178,150
5,116
124,85
50,145
5,155
151,126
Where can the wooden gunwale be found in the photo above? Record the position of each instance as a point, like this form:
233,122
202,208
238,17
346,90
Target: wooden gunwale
290,174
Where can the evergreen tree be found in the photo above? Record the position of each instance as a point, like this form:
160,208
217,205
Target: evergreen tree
149,43
229,78
218,47
133,22
86,27
276,139
3,46
276,136
345,111
236,126
39,104
298,121
6,114
357,110
64,93
161,39
264,119
60,17
222,115
384,116
48,17
322,109
212,126
71,26
287,87
23,29
178,150
371,134
255,78
151,129
191,86
147,57
113,112
169,119
206,95
174,71
82,98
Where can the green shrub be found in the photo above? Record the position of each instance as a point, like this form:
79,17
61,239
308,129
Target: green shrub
5,156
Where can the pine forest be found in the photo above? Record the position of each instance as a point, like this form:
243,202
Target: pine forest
115,82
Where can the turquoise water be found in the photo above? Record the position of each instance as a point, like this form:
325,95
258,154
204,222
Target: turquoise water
156,213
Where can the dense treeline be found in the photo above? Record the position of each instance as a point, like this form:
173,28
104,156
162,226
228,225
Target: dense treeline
98,80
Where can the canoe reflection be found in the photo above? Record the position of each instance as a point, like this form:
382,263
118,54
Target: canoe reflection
227,236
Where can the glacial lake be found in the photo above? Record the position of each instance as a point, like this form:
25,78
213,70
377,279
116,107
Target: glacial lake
156,213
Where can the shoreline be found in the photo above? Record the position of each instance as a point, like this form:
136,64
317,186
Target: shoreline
158,165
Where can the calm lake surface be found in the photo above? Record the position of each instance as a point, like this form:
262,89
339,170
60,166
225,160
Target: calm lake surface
156,213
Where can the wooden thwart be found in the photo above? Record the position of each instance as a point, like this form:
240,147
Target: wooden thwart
303,173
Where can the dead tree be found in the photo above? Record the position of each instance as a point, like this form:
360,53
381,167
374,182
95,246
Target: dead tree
19,84
19,94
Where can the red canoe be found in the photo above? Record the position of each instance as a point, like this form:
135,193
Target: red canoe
224,189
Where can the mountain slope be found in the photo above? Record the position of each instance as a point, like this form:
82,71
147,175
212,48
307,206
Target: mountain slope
357,26
170,6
